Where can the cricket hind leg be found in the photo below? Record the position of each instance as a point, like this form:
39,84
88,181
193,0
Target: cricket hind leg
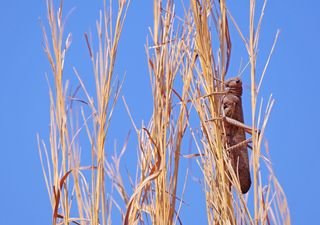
237,123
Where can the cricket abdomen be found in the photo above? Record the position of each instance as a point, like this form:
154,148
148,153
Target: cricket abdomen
240,159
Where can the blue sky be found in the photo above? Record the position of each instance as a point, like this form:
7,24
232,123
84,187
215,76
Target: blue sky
293,79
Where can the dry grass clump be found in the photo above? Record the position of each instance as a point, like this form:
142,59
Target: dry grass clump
160,142
225,205
61,162
186,73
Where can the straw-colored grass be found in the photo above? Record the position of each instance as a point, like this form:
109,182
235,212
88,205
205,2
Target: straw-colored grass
225,205
160,142
62,167
179,49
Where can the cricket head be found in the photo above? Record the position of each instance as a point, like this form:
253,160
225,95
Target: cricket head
234,86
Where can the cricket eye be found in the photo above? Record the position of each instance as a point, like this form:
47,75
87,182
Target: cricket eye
225,106
237,81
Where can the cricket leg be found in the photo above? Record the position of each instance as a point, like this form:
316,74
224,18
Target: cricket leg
234,122
239,124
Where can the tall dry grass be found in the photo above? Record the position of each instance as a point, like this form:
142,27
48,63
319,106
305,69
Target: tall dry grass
160,142
225,205
186,73
61,161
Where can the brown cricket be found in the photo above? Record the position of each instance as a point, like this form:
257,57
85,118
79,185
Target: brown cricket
235,129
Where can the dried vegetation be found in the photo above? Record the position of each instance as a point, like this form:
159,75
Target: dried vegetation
187,73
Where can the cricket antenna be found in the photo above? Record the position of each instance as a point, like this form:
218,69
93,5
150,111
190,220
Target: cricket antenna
241,71
219,80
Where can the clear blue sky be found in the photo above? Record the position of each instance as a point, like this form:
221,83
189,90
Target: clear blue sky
293,78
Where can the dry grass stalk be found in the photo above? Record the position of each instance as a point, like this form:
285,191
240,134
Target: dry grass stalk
63,158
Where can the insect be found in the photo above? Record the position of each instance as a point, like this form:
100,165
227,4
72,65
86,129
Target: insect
235,129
